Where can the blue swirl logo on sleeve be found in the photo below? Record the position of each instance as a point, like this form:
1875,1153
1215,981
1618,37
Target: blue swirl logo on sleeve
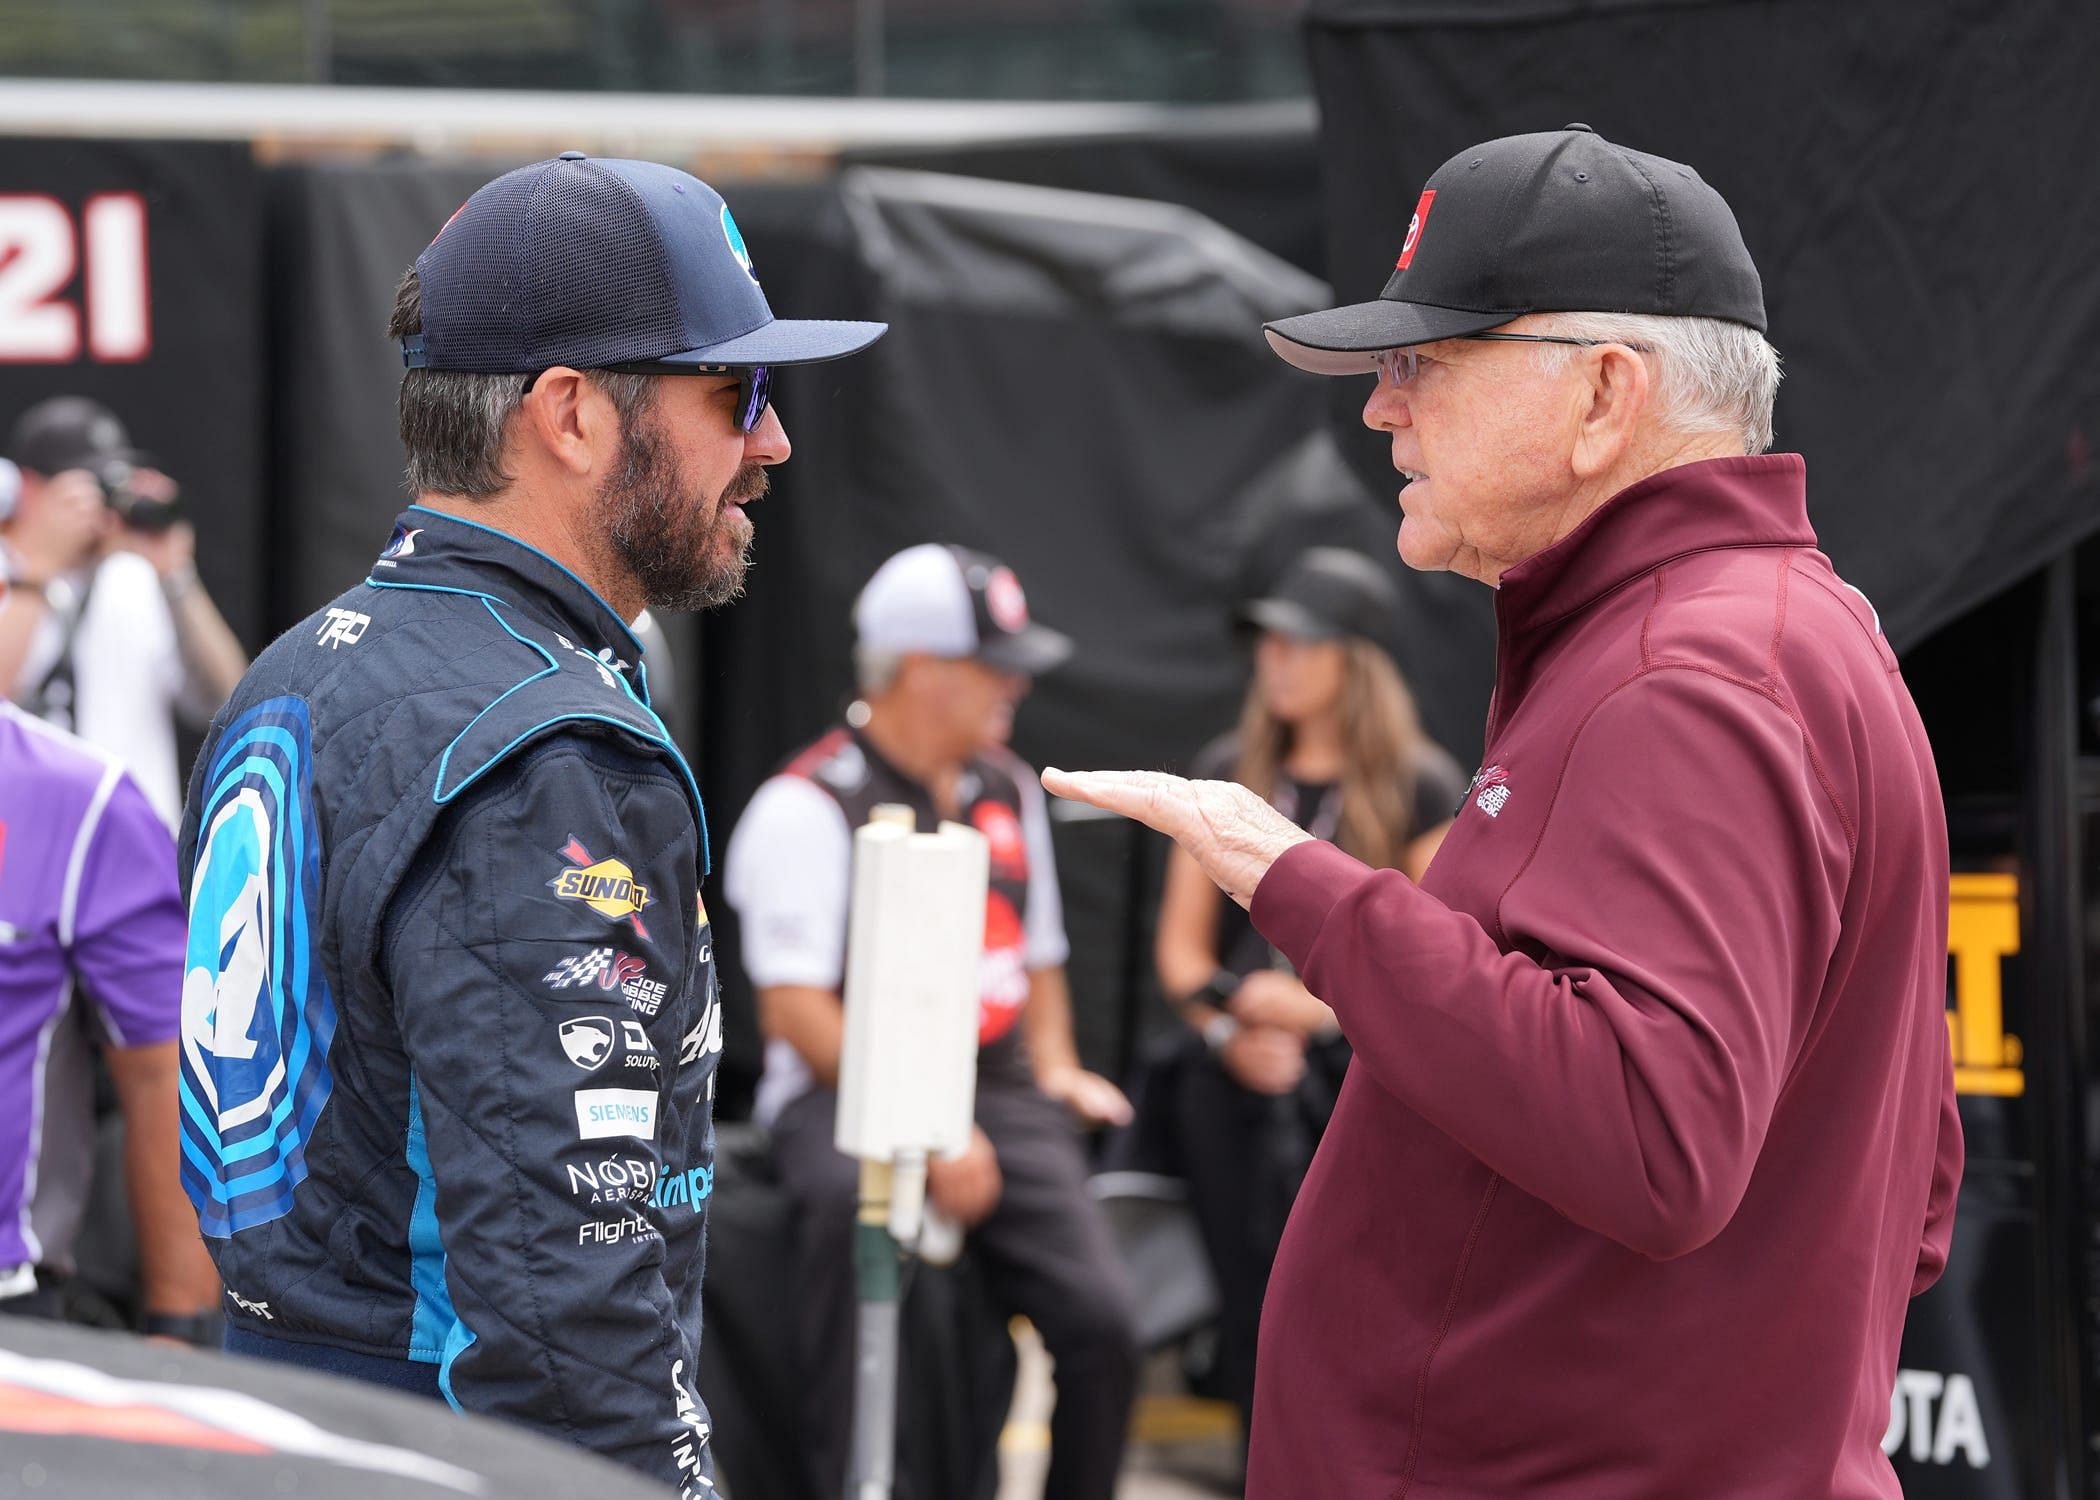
257,1015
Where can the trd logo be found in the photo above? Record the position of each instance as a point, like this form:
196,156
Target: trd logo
342,627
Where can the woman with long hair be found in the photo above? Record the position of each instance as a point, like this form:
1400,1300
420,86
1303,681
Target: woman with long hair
1329,736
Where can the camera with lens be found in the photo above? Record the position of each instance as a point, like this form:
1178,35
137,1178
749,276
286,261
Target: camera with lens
151,507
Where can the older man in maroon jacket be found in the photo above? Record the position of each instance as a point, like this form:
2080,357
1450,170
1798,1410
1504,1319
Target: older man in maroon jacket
1651,1134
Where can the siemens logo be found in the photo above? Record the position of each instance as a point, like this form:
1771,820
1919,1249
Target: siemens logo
606,1113
687,1189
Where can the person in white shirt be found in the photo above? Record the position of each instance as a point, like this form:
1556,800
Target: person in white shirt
105,629
945,651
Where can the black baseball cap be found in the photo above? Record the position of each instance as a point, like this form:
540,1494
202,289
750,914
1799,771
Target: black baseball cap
593,262
1560,221
950,601
1329,593
70,432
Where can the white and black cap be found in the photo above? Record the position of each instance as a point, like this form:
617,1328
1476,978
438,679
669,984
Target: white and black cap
950,601
1559,221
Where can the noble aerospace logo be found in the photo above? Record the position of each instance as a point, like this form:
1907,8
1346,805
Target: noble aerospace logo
1491,790
588,1040
606,886
616,1179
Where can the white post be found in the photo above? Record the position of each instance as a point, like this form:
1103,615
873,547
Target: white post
907,1076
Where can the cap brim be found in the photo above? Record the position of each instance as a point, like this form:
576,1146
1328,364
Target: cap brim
1032,651
785,341
1285,617
1346,340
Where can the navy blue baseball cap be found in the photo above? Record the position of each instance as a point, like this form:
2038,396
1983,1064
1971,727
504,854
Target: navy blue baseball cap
592,262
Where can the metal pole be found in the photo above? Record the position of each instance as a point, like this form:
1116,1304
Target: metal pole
2056,911
871,1469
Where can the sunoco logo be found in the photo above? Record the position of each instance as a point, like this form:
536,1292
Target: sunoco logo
606,886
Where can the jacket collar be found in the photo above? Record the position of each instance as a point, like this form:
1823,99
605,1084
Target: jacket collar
432,550
1756,501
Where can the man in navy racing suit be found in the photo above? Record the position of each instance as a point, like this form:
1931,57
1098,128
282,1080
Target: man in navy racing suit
449,1011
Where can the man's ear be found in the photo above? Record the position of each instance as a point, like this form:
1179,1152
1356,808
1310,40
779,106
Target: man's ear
1617,395
570,420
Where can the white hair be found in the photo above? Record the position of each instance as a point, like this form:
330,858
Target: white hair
1711,375
875,670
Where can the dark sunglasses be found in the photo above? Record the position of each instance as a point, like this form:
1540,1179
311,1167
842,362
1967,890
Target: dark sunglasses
754,384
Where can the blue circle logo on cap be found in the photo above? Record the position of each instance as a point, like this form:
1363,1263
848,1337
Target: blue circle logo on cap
735,236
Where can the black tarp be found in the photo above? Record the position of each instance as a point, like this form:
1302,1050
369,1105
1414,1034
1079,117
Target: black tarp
1915,182
191,392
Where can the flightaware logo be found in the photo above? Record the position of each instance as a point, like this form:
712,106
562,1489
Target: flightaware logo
606,886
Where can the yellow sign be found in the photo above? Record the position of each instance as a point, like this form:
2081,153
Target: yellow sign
1983,928
607,887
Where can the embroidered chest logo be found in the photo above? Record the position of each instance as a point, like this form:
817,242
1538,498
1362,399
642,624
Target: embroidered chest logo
606,886
1491,790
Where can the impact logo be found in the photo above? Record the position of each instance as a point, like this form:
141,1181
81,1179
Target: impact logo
606,886
737,247
401,544
1491,790
257,1015
1414,231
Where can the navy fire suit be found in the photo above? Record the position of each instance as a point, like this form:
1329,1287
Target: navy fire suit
450,1023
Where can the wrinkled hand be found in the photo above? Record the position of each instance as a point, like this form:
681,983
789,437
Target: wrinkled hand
966,1188
60,531
1270,997
1230,832
1091,1097
1266,1059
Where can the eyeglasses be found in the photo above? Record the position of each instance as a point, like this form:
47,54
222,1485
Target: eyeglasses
1399,366
754,384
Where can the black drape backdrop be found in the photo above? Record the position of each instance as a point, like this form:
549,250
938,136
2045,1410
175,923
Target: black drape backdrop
1915,182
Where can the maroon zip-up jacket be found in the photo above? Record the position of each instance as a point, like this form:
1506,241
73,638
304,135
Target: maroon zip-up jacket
1650,1133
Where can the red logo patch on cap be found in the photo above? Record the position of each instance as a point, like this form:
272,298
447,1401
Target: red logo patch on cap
1004,601
1414,230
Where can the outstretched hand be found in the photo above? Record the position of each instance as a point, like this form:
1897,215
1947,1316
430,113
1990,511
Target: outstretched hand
1233,834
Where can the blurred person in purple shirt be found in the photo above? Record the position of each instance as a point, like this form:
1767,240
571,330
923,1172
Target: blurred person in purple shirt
89,915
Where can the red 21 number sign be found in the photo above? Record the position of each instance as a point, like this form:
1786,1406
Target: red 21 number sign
74,285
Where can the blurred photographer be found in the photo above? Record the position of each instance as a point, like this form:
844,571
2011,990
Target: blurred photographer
105,629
